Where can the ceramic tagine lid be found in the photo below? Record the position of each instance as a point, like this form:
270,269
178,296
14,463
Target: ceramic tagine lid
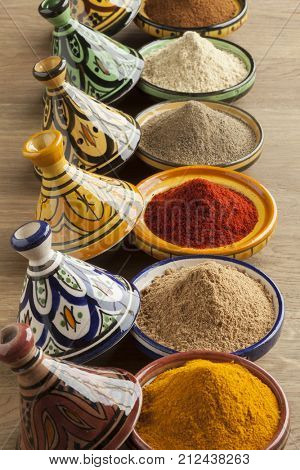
75,310
98,65
109,17
88,214
97,138
64,407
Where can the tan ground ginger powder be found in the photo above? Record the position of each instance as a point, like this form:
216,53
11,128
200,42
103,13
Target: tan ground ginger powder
192,64
209,306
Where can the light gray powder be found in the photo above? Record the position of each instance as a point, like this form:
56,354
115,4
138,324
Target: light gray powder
196,134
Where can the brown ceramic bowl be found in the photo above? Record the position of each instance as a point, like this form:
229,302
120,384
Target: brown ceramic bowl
159,366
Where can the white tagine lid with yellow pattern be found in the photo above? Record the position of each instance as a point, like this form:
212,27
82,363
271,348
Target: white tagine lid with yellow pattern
88,214
97,137
75,310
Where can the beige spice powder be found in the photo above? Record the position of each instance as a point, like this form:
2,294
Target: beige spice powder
209,306
192,64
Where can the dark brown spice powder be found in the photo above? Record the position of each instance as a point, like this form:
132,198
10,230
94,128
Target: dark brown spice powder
191,13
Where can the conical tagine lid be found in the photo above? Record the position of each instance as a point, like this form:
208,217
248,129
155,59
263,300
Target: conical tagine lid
109,17
75,310
97,138
64,407
98,65
88,214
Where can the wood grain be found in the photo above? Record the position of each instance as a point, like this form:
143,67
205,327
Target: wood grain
272,36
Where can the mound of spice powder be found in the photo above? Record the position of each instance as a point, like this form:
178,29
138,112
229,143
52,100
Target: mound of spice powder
191,13
201,214
192,64
208,306
207,405
197,134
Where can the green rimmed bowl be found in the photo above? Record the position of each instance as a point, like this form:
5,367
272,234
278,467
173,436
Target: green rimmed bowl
239,165
157,30
228,94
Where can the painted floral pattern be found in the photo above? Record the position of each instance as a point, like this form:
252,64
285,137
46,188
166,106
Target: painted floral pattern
77,307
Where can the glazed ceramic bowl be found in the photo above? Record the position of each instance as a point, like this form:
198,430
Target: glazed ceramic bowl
255,351
239,165
244,248
109,17
147,25
229,94
156,368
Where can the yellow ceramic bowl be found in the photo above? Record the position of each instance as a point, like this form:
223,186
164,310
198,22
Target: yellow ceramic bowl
239,165
149,26
248,246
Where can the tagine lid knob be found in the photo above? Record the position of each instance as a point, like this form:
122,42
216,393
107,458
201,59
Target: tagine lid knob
16,343
45,148
33,241
57,12
51,71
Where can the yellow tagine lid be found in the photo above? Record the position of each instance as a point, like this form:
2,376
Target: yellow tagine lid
88,214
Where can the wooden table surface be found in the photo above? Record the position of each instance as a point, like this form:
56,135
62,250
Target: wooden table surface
272,35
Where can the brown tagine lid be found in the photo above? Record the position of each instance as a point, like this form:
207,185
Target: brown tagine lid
64,407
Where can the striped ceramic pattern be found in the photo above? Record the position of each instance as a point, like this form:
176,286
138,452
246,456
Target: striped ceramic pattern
82,211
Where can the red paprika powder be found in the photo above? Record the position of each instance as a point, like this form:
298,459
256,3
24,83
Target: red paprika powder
201,214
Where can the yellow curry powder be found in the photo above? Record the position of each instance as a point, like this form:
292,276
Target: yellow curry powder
206,405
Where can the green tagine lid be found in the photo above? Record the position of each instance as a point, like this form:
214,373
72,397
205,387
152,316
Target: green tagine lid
98,65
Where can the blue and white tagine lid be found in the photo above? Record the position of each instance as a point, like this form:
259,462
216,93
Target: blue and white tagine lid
75,310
